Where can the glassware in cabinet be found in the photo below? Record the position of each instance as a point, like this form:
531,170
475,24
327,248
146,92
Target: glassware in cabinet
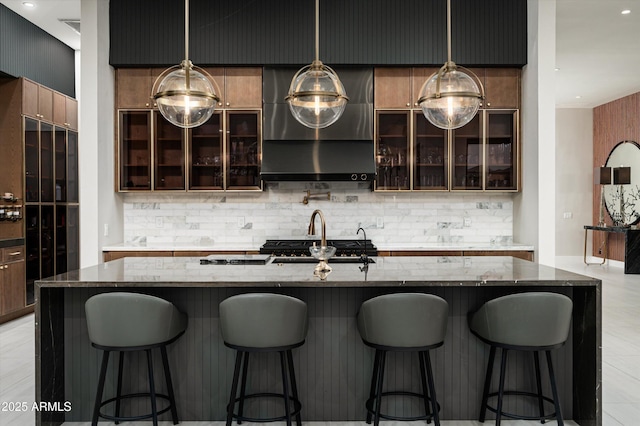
392,150
467,155
46,163
169,155
206,156
31,160
61,239
60,164
501,150
72,166
430,156
135,150
243,150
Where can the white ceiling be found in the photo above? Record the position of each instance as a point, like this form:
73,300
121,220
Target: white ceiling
597,48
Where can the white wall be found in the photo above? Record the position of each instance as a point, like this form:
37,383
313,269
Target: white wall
574,174
99,204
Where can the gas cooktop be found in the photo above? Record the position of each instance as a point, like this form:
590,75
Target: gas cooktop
301,247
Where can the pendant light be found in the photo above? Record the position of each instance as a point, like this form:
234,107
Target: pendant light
316,96
184,93
451,97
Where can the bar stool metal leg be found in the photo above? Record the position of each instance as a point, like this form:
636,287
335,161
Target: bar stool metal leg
536,360
294,386
503,368
167,375
285,388
374,382
487,384
383,358
152,389
103,374
234,388
432,388
119,385
554,389
243,386
425,389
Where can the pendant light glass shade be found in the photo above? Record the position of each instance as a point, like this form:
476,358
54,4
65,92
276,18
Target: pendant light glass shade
186,101
316,96
451,97
185,94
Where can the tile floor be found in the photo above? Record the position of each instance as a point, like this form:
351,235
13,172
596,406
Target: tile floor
620,369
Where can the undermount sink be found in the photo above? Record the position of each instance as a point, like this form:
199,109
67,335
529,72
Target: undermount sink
309,259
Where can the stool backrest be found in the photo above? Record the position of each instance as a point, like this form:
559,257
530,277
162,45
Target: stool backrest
263,320
122,319
532,319
404,320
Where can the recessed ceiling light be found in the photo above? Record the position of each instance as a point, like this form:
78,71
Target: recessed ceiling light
28,4
557,69
578,97
626,12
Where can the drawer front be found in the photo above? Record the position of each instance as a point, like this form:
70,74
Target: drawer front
12,254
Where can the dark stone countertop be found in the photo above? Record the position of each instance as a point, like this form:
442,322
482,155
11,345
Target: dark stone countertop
386,272
11,242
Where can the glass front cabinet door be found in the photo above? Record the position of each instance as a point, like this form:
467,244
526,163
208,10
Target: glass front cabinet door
430,156
501,150
392,150
466,155
169,155
206,156
135,151
243,150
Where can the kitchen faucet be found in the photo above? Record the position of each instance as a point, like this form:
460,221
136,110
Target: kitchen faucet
364,257
312,227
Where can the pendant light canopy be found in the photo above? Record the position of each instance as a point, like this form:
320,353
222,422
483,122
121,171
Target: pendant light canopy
184,93
316,96
451,97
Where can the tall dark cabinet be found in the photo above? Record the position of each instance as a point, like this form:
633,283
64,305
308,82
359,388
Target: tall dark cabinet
39,130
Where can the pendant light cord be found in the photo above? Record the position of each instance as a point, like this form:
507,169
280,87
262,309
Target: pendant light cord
317,30
187,68
448,31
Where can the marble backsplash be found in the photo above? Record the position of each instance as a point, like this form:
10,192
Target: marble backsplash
278,213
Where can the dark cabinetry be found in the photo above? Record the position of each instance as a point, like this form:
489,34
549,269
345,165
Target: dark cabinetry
12,270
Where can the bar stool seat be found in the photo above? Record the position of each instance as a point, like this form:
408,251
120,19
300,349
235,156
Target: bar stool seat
413,322
263,322
127,322
530,322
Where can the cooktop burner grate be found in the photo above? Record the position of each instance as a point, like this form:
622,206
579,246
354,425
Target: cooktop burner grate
301,247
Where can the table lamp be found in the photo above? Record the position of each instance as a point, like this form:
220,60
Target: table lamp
602,177
622,176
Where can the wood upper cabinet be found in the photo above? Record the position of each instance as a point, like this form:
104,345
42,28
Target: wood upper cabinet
501,87
240,87
37,100
134,86
399,87
12,279
65,111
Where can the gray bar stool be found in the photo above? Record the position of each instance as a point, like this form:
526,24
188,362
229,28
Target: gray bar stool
263,322
532,322
402,322
127,322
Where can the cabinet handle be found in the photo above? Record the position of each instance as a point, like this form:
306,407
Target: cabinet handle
15,253
219,103
488,104
146,104
3,267
228,104
408,104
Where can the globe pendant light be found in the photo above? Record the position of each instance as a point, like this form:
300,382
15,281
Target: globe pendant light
316,96
451,97
184,93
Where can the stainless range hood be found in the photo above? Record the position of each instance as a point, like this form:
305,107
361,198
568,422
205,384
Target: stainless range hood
343,151
330,160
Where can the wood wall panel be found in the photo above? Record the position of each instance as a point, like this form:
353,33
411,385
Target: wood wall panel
613,122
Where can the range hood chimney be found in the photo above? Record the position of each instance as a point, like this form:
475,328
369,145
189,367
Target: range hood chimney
343,151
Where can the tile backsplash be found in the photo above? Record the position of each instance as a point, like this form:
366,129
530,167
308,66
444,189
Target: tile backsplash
278,213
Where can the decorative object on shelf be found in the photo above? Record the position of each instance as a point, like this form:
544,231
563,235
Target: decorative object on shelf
10,211
316,96
184,93
602,178
451,97
622,197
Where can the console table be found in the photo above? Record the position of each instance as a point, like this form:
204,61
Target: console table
631,246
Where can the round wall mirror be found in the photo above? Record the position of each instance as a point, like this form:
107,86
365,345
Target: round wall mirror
622,200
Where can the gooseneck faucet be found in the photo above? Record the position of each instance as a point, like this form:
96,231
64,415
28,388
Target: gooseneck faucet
364,257
312,227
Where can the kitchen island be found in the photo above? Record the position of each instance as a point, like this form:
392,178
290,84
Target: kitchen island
333,366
